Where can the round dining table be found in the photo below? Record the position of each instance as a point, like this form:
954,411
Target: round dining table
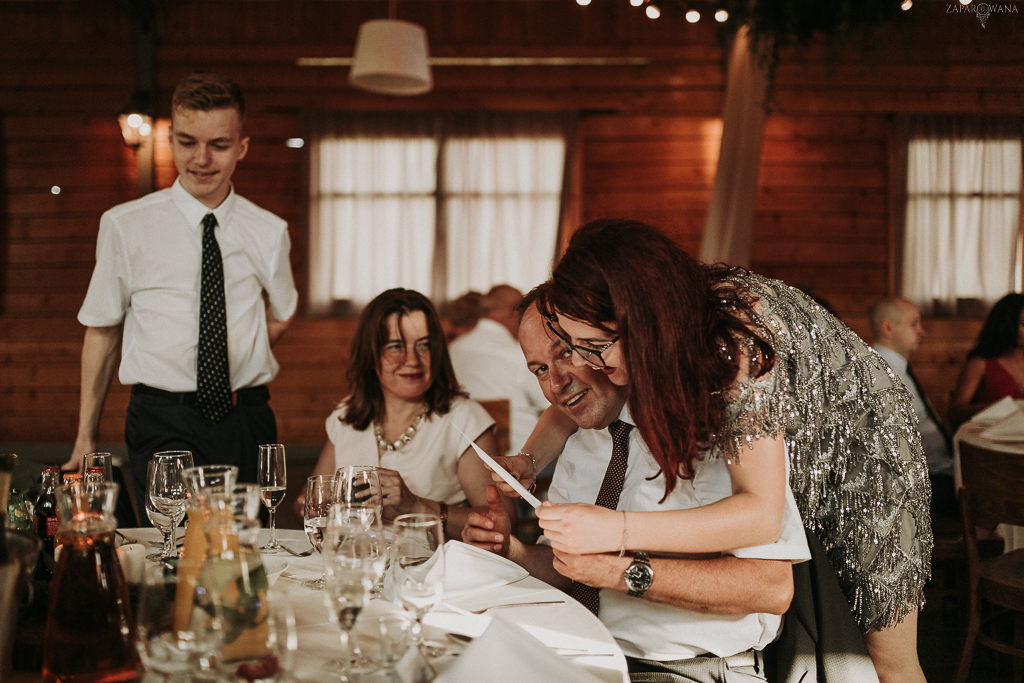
505,626
971,432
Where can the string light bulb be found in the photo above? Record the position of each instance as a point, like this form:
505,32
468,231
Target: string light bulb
652,10
907,4
692,16
582,3
636,3
722,15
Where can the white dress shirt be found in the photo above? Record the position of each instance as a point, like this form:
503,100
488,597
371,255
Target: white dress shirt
489,364
148,272
933,439
653,630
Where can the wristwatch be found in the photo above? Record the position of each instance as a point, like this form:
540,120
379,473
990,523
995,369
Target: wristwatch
639,576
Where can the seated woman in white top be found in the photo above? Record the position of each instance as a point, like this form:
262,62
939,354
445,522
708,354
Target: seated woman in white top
406,412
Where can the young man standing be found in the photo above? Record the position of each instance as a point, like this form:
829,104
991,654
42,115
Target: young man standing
179,285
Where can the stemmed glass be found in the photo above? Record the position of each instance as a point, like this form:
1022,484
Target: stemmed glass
315,515
98,467
354,560
179,625
165,496
358,496
272,476
418,565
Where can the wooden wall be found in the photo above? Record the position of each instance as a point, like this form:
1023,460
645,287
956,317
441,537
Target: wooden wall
648,144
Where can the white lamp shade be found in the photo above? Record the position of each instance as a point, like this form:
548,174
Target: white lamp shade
391,58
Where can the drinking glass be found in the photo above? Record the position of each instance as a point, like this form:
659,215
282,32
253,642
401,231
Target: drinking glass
358,485
315,515
165,496
98,467
353,562
272,476
418,565
179,625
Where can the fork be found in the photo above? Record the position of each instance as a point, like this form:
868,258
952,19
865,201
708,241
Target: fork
296,553
506,604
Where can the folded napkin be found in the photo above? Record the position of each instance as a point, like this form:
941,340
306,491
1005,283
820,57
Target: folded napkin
469,569
1010,428
505,653
1001,409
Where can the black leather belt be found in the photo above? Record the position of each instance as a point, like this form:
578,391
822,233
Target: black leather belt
250,396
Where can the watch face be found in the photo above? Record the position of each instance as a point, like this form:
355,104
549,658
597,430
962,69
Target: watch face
639,578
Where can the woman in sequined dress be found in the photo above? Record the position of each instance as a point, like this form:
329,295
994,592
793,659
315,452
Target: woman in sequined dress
406,414
760,362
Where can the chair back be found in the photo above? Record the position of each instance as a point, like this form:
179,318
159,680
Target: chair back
498,408
994,485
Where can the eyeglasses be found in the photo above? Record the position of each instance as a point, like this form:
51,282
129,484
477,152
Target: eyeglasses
591,355
396,351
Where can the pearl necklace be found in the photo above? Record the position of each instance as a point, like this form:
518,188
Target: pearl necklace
406,437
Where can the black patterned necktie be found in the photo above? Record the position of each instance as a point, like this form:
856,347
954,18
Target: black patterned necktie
607,497
213,381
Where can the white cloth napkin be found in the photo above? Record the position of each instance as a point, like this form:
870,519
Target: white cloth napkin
1001,409
505,653
469,569
1010,428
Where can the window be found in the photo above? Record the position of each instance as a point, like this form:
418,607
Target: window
961,212
440,204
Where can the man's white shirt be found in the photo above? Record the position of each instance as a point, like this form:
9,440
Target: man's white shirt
648,629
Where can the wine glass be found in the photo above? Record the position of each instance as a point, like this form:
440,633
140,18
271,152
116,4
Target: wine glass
315,515
179,625
272,476
418,564
98,467
165,496
354,561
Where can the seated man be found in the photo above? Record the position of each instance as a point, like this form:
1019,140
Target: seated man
675,618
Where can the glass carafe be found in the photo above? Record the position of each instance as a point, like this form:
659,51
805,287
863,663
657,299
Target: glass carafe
90,634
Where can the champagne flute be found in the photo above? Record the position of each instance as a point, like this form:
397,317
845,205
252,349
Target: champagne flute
272,476
418,565
315,516
165,496
353,561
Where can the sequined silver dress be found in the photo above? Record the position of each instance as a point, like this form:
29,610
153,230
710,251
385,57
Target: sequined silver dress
856,465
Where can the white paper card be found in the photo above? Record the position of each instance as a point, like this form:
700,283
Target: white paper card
503,473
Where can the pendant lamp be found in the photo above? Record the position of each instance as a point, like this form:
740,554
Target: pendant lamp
391,57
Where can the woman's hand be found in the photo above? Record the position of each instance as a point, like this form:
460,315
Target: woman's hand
581,529
396,497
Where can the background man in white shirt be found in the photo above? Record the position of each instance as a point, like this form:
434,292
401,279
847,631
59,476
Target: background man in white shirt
489,364
144,297
709,617
897,331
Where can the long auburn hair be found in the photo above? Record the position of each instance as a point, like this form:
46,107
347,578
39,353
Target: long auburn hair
998,336
366,402
681,333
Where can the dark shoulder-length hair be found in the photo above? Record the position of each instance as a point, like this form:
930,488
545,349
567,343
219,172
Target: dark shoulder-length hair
366,402
1000,332
680,324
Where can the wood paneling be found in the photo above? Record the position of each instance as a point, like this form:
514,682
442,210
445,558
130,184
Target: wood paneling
648,145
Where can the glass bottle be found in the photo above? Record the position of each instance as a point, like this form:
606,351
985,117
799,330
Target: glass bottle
90,635
46,521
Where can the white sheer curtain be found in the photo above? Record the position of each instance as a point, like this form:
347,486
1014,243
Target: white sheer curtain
441,204
962,210
727,232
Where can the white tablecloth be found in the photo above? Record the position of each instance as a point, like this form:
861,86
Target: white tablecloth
971,433
566,628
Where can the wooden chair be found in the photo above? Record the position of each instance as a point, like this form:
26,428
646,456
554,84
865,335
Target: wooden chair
992,494
499,412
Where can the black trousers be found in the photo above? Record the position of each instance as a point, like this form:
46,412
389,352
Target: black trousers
162,421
